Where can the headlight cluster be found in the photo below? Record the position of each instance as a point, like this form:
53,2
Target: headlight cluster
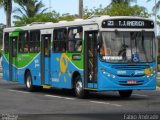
107,73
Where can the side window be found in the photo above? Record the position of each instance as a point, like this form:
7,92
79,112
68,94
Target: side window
23,43
59,40
34,42
75,39
6,42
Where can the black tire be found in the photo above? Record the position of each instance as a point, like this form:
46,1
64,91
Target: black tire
28,82
79,90
125,93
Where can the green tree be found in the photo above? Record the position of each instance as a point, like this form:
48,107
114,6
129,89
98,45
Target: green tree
67,17
7,5
94,11
127,2
42,17
28,9
118,9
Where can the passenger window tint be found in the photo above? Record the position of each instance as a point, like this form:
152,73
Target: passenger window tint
59,40
34,42
75,39
23,42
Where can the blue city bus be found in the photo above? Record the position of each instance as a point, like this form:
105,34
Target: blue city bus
101,53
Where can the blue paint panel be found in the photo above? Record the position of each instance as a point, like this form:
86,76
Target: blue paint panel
111,80
55,77
5,67
63,80
47,70
58,78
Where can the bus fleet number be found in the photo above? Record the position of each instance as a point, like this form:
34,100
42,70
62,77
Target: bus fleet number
110,23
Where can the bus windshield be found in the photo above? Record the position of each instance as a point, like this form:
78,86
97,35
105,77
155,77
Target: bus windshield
125,47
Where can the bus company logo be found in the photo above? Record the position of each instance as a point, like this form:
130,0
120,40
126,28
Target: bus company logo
121,72
139,72
63,62
112,58
132,74
36,61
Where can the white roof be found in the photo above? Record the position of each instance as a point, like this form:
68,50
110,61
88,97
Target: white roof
76,22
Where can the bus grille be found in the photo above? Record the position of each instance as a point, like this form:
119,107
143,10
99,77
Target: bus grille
130,67
130,75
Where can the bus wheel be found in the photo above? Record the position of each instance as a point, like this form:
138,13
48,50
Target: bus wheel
125,93
29,85
79,91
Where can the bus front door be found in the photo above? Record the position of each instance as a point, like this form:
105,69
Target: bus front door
13,59
45,58
90,57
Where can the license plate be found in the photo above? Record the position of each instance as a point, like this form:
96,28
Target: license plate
131,82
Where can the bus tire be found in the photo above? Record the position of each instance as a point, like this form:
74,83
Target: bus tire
79,91
125,93
29,85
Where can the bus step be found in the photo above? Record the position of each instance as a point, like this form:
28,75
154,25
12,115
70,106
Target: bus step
91,89
47,87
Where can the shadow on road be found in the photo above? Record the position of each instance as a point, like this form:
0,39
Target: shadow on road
105,96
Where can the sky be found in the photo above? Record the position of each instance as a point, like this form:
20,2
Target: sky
71,6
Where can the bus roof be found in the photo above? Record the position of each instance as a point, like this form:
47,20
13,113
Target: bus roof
76,22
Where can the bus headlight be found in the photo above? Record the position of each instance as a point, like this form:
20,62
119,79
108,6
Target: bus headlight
113,76
107,74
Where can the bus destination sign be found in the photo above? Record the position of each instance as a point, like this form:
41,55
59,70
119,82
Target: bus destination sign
128,23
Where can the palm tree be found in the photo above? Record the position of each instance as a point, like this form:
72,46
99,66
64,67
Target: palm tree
28,8
81,8
156,7
7,5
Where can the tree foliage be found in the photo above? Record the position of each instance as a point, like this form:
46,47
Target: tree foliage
118,9
45,17
127,2
121,9
28,9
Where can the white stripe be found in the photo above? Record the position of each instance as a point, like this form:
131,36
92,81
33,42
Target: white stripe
19,91
100,102
60,97
117,105
140,95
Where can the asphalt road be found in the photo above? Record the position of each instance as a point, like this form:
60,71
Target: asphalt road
15,101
